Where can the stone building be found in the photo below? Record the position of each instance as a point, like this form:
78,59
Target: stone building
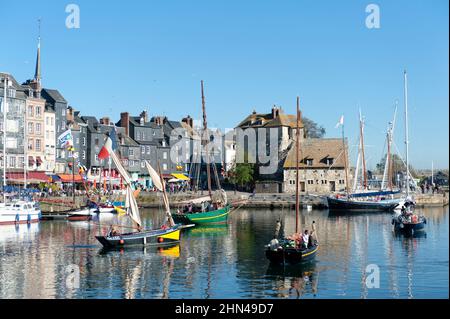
321,166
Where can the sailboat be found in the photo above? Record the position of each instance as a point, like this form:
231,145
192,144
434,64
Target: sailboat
364,200
164,236
217,206
286,250
17,211
406,220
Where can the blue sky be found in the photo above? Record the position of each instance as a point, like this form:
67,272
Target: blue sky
251,54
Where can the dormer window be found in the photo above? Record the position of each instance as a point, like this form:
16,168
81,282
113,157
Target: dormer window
141,121
329,161
309,162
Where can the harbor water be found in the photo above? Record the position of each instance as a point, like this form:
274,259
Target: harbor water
228,261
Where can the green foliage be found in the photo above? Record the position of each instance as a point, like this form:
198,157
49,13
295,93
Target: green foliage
312,129
242,174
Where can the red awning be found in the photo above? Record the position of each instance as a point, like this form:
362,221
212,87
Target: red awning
39,177
14,176
67,178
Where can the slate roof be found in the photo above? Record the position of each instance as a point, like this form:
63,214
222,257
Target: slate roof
54,95
317,149
256,120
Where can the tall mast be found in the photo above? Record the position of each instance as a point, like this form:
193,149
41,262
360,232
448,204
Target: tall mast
6,81
297,155
406,132
345,160
432,173
361,132
206,141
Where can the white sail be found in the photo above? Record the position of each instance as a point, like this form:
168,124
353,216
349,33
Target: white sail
131,204
154,175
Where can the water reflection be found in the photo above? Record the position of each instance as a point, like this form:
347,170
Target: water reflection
228,260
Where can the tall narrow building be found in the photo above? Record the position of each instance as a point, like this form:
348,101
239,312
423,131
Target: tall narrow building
35,119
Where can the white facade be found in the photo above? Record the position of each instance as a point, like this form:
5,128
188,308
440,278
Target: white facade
49,141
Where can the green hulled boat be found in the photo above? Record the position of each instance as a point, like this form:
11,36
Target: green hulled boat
215,216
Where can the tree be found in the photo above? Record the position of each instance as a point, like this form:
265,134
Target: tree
398,166
242,174
312,129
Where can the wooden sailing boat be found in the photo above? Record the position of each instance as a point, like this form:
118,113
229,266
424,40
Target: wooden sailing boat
220,208
285,250
359,201
166,235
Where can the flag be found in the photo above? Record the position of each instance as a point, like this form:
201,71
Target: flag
66,139
110,146
341,121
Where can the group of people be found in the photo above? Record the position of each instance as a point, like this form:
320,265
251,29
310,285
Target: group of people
205,206
304,240
427,188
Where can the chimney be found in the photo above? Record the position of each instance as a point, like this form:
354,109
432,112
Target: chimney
125,122
144,115
189,121
275,112
69,115
105,120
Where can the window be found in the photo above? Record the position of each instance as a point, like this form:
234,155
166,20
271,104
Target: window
164,155
324,182
30,144
52,121
142,164
78,140
11,142
148,149
30,128
84,141
130,152
330,161
96,142
96,157
38,145
38,128
310,182
341,181
63,112
165,166
30,110
309,162
12,161
143,149
164,143
84,154
38,111
47,120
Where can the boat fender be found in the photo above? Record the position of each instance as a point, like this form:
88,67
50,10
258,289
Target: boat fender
122,241
160,239
17,218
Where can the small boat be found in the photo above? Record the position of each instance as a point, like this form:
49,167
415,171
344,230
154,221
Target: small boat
81,215
19,212
157,237
286,253
407,221
200,218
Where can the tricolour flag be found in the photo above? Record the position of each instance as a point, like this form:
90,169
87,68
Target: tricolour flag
341,121
110,145
66,139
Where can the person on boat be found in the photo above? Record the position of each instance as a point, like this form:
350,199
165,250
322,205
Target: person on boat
305,239
113,231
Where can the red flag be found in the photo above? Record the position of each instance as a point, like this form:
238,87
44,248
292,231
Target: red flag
106,149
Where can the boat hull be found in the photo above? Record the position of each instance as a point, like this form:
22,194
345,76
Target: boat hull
158,237
336,204
408,227
211,217
290,255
